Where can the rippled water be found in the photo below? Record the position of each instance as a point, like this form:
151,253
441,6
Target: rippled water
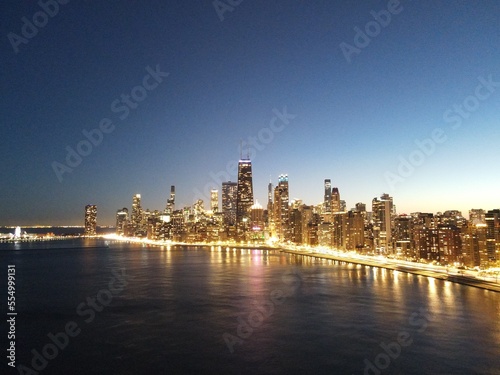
185,310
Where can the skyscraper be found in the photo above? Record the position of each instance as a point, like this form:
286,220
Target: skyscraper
214,200
336,200
257,217
282,209
382,222
270,198
229,197
328,196
493,235
268,213
244,194
90,220
121,221
136,217
171,200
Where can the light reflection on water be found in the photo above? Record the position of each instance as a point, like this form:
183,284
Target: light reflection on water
179,302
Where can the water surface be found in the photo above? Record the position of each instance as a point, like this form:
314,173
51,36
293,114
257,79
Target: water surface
185,310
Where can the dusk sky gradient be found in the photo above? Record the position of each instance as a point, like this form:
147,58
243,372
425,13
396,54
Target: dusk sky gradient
226,78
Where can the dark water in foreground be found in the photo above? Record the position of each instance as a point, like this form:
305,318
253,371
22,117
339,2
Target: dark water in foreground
169,311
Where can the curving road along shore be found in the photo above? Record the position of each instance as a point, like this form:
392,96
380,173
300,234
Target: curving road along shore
392,265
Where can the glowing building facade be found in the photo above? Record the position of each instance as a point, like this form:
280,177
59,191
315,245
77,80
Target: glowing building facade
229,197
90,220
244,198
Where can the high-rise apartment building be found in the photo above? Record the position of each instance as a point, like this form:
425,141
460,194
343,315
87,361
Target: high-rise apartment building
474,250
382,214
244,196
327,201
336,200
492,219
214,200
90,220
424,236
401,236
257,217
355,236
136,218
449,244
282,208
229,198
121,221
270,198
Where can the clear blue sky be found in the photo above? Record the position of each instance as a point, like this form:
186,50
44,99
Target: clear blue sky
353,120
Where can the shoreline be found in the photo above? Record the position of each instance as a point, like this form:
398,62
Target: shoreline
464,280
436,274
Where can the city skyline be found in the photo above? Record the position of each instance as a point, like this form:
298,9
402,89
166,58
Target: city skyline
105,101
236,186
445,238
110,212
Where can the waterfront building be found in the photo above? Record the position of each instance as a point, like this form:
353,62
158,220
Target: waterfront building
121,221
136,218
474,250
229,198
382,213
244,197
90,220
492,219
402,237
282,209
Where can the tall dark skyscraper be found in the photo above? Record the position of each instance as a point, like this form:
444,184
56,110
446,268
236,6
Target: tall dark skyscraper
328,196
270,197
335,200
229,198
90,220
492,234
244,192
171,200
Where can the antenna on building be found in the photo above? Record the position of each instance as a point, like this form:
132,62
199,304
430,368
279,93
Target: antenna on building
241,149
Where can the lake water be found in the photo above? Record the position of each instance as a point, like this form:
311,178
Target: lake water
130,309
